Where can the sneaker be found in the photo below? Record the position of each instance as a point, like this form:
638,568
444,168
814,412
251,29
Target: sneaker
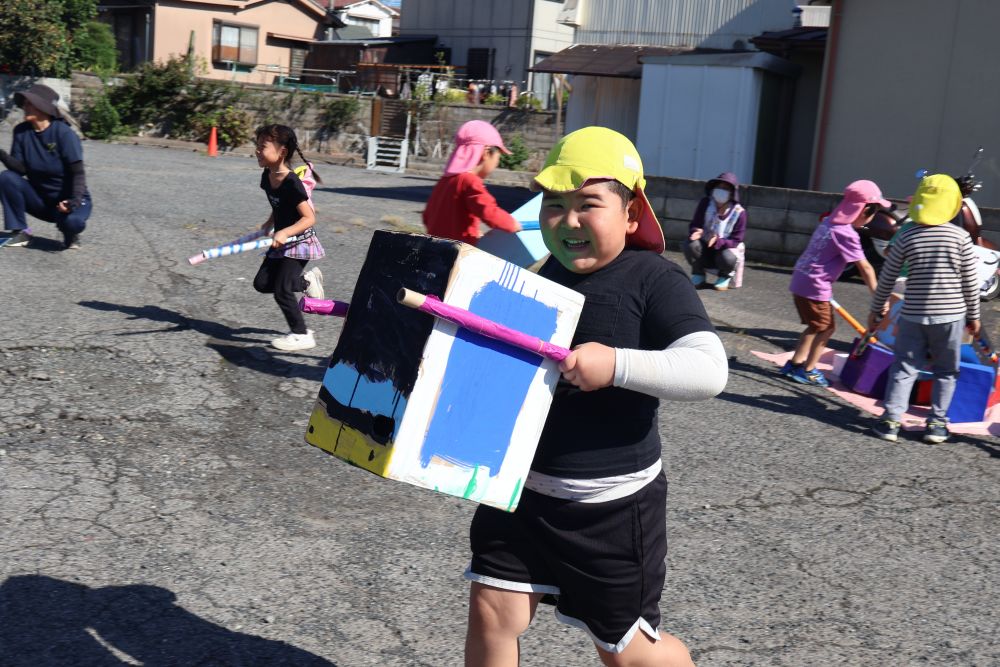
697,279
936,432
886,429
722,284
813,377
17,238
71,241
314,283
789,368
294,342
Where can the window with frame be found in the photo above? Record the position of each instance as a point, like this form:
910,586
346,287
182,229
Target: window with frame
234,43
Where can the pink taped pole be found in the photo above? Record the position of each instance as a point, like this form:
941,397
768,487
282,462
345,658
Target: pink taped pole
323,307
431,305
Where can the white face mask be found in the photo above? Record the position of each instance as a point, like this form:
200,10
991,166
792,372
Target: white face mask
720,195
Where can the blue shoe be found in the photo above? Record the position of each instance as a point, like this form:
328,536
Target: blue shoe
814,377
697,279
722,284
787,369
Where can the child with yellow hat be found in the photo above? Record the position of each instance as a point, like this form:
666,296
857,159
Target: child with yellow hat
590,529
942,300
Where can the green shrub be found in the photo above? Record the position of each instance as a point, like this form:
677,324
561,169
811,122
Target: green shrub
33,38
454,96
151,96
234,127
101,120
338,113
495,99
94,49
528,101
518,153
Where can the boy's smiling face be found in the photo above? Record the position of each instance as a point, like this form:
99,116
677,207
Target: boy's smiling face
585,229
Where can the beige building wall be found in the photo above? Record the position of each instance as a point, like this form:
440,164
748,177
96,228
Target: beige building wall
173,23
910,84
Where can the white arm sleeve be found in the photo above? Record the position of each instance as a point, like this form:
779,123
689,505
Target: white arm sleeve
692,368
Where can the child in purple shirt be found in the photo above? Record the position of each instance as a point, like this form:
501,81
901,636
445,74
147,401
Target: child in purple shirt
833,245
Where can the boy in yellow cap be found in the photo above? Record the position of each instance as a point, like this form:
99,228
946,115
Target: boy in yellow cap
942,299
590,529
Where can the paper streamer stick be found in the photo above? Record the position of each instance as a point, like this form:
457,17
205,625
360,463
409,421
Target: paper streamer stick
323,307
258,240
230,249
432,305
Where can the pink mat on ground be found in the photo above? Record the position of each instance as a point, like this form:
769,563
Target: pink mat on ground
913,419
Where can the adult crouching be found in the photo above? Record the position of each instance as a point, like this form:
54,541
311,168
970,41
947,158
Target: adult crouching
45,176
716,230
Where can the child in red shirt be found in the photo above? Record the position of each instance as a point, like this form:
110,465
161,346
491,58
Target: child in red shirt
460,201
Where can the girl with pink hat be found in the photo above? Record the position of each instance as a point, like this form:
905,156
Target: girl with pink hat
460,201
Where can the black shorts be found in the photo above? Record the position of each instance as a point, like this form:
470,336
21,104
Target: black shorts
603,561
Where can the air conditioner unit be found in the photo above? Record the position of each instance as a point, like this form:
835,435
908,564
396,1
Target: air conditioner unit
571,13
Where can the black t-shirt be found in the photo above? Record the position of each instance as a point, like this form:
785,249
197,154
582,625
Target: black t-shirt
640,300
47,156
285,199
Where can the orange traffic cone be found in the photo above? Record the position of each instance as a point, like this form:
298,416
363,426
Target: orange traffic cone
213,143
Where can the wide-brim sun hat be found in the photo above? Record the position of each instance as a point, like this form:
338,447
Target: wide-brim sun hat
857,195
937,200
41,97
471,140
725,178
601,154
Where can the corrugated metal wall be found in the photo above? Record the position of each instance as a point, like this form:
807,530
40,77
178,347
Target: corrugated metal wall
706,23
688,129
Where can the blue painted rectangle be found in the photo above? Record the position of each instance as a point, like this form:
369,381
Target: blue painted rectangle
472,427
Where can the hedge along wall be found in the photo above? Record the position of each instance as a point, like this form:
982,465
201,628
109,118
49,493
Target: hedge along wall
779,221
301,110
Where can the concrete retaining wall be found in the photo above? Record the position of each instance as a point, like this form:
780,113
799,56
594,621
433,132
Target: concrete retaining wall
779,221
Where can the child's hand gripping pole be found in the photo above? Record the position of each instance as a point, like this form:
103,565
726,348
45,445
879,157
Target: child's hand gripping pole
430,304
323,307
866,336
258,240
984,344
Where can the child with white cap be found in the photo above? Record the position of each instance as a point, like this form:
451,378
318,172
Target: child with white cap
460,200
942,300
590,528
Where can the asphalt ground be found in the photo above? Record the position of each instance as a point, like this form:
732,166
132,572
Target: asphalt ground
158,505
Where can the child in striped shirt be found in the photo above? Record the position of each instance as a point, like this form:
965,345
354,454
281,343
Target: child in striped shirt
942,300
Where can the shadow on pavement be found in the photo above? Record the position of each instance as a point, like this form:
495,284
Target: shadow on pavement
805,401
180,322
47,622
784,339
266,360
250,355
43,244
